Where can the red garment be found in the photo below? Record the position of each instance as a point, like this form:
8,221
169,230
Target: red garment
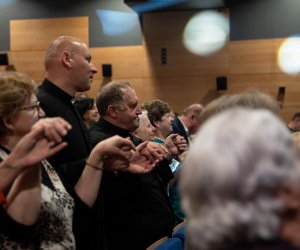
2,198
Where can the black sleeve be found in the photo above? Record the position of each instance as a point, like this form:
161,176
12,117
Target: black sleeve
13,229
70,171
164,171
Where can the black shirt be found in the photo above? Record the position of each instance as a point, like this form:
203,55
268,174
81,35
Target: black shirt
136,210
70,162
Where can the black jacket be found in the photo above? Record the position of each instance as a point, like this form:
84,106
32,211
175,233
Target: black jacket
70,162
178,128
136,209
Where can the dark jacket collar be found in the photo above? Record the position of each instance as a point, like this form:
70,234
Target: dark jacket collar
56,91
112,129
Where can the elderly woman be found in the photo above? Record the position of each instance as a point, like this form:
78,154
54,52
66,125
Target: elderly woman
159,114
20,113
241,184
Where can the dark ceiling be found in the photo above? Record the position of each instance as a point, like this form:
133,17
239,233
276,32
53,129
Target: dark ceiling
167,5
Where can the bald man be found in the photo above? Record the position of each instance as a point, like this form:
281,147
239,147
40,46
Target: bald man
188,122
68,69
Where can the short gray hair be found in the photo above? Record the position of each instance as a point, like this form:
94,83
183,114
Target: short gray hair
237,160
111,94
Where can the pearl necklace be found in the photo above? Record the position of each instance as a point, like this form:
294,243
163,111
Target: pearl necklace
159,140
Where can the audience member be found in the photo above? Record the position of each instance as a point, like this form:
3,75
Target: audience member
159,115
294,124
145,131
136,208
248,196
20,112
69,69
253,99
87,110
188,122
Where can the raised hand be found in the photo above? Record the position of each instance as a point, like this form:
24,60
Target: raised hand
42,142
54,128
180,143
144,159
116,153
170,144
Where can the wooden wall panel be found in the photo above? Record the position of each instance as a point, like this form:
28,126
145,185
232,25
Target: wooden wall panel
29,62
255,56
186,78
36,34
127,62
180,62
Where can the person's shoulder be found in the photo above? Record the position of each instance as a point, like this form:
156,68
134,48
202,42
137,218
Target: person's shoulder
176,120
43,95
176,124
98,134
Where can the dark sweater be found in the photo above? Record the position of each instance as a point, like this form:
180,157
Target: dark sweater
136,209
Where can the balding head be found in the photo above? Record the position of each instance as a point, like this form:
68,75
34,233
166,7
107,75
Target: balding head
58,46
68,65
195,109
191,117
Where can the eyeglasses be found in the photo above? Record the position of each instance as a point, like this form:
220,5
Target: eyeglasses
35,106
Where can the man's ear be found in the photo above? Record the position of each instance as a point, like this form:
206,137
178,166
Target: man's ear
8,123
290,197
112,111
66,59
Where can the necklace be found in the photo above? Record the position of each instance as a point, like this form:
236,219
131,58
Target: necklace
159,140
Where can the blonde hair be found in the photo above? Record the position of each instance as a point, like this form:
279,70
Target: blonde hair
15,89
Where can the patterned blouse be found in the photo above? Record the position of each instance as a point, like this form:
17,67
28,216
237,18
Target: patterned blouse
53,230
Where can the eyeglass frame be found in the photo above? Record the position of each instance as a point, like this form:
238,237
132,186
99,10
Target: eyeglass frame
30,107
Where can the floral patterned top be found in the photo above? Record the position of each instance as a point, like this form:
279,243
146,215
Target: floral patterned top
53,230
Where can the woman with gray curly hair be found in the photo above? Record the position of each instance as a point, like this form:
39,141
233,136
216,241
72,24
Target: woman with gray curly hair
241,184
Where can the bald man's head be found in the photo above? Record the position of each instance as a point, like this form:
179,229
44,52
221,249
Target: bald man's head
191,117
68,64
58,46
195,108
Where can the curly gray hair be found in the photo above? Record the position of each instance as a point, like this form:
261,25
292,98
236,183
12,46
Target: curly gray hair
237,160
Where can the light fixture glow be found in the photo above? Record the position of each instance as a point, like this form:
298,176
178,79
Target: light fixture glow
206,33
288,57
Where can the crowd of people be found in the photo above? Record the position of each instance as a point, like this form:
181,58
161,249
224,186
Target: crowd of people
110,173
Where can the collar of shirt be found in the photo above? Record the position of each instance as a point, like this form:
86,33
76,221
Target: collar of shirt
56,91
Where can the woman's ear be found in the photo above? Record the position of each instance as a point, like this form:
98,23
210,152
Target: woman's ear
8,123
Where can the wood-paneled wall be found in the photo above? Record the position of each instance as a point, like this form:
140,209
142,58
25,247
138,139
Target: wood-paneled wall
30,38
186,78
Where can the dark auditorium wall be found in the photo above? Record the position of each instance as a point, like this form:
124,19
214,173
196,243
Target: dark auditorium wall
255,19
37,9
264,19
248,60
